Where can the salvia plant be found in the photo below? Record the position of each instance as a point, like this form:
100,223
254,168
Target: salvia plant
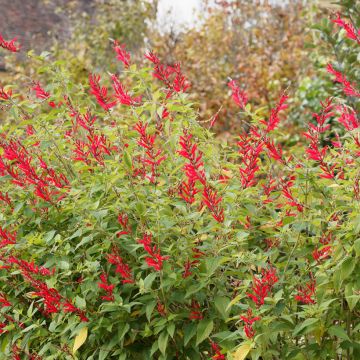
128,231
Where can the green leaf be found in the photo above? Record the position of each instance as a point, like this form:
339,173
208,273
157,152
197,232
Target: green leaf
149,309
171,329
350,296
189,332
347,268
204,329
162,341
221,304
339,332
304,324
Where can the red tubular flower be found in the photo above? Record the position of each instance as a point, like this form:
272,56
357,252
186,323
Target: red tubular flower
121,268
213,202
250,147
100,93
187,191
240,97
195,313
262,286
109,288
123,221
153,157
3,301
248,319
5,95
122,95
9,45
171,76
40,92
195,168
348,88
122,54
217,352
155,260
274,119
306,293
69,307
7,238
274,151
351,32
348,118
321,254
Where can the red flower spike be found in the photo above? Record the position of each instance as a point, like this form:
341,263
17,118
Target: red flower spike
217,352
109,288
351,32
194,169
3,301
100,93
262,286
213,202
122,95
195,313
348,88
240,97
9,45
348,118
248,319
321,254
121,268
274,119
122,54
170,76
306,293
40,92
155,259
5,95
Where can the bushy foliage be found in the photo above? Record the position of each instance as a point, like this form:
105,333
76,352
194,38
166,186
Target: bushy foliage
129,232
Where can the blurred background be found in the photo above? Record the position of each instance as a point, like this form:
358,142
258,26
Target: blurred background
267,46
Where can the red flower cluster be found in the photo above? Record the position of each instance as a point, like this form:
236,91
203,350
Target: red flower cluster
53,300
351,32
100,92
171,76
40,92
274,119
216,349
250,148
262,286
195,313
348,88
240,97
9,45
109,288
17,162
122,95
123,220
121,268
7,238
96,146
5,95
248,319
306,293
314,151
155,259
153,157
194,171
122,54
